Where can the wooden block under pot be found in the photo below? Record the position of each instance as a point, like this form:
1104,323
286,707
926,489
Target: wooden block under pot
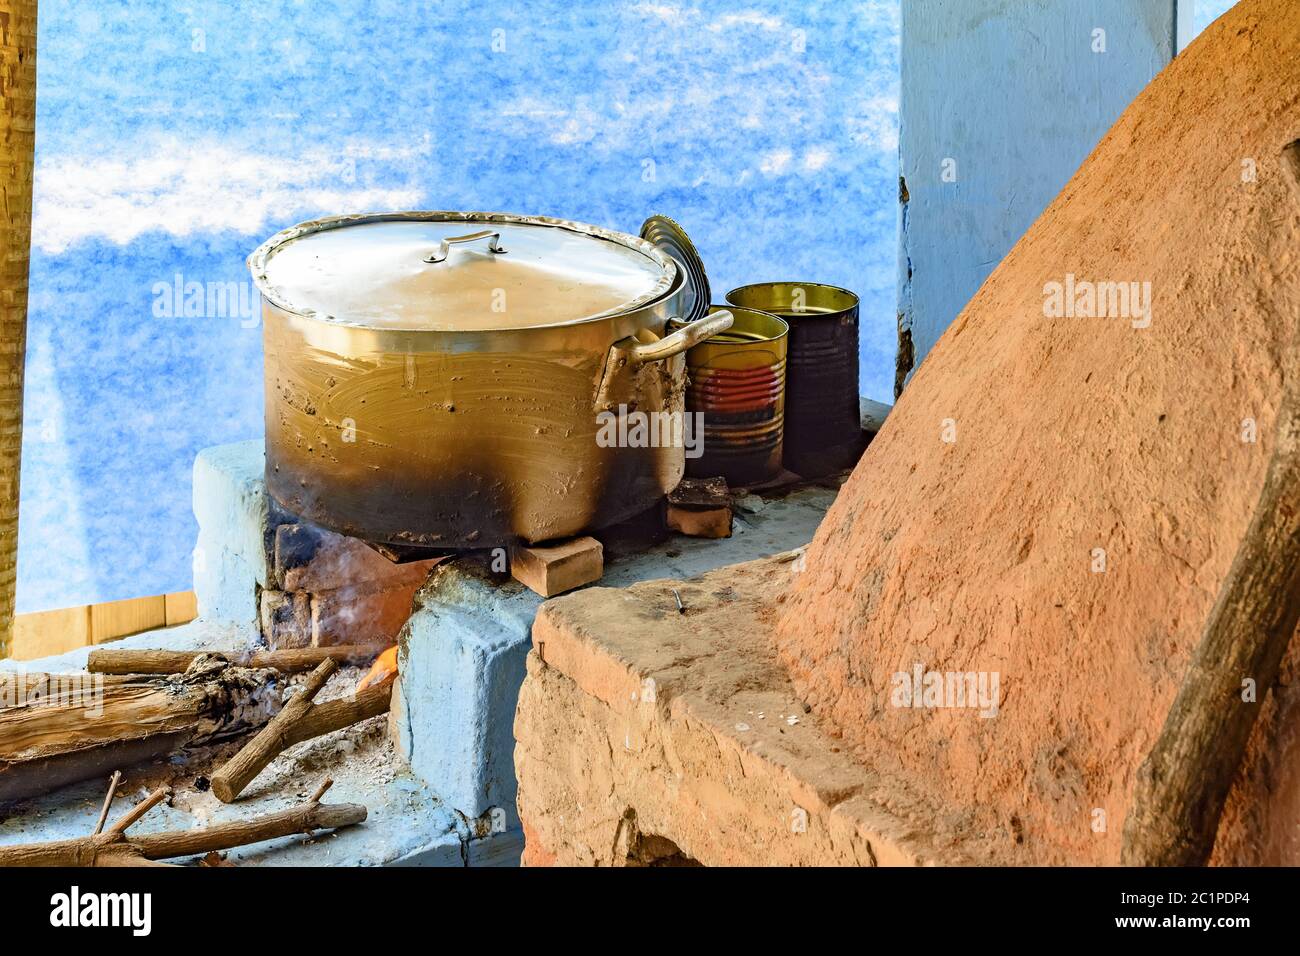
551,569
700,508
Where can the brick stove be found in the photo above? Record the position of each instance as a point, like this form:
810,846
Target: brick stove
1057,500
436,774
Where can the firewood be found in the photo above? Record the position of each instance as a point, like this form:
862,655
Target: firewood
115,848
108,801
304,818
334,715
320,791
57,729
289,660
1184,781
299,720
140,809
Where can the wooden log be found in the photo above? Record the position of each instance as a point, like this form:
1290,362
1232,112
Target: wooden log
289,660
115,848
1184,781
229,782
57,729
334,715
316,721
304,818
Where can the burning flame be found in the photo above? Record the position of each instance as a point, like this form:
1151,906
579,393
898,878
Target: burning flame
383,669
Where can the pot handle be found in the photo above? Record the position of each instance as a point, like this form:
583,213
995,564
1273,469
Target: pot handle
445,250
681,340
629,351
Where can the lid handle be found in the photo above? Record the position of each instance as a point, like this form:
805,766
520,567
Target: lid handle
445,250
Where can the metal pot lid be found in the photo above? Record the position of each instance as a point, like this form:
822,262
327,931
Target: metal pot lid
671,238
453,271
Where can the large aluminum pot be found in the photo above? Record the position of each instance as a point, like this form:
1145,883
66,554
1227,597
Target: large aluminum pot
454,379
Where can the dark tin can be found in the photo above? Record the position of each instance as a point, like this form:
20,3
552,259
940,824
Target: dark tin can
823,431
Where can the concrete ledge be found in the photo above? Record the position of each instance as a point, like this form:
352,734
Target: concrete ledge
646,736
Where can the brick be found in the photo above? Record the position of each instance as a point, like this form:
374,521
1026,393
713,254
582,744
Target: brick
286,619
701,493
553,569
225,584
232,507
237,520
369,613
700,522
310,558
648,737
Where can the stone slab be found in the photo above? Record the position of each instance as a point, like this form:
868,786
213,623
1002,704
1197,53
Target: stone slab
640,727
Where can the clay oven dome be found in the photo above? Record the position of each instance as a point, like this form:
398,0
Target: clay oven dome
1057,498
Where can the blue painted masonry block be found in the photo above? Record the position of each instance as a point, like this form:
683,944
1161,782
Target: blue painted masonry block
1000,104
236,518
462,660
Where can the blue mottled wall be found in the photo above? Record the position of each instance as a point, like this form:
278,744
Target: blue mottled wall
173,137
1205,12
1011,95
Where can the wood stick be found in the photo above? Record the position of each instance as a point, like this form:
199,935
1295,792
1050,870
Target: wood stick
334,715
117,849
108,801
229,782
127,858
63,728
140,809
289,660
1185,780
304,818
321,790
321,719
